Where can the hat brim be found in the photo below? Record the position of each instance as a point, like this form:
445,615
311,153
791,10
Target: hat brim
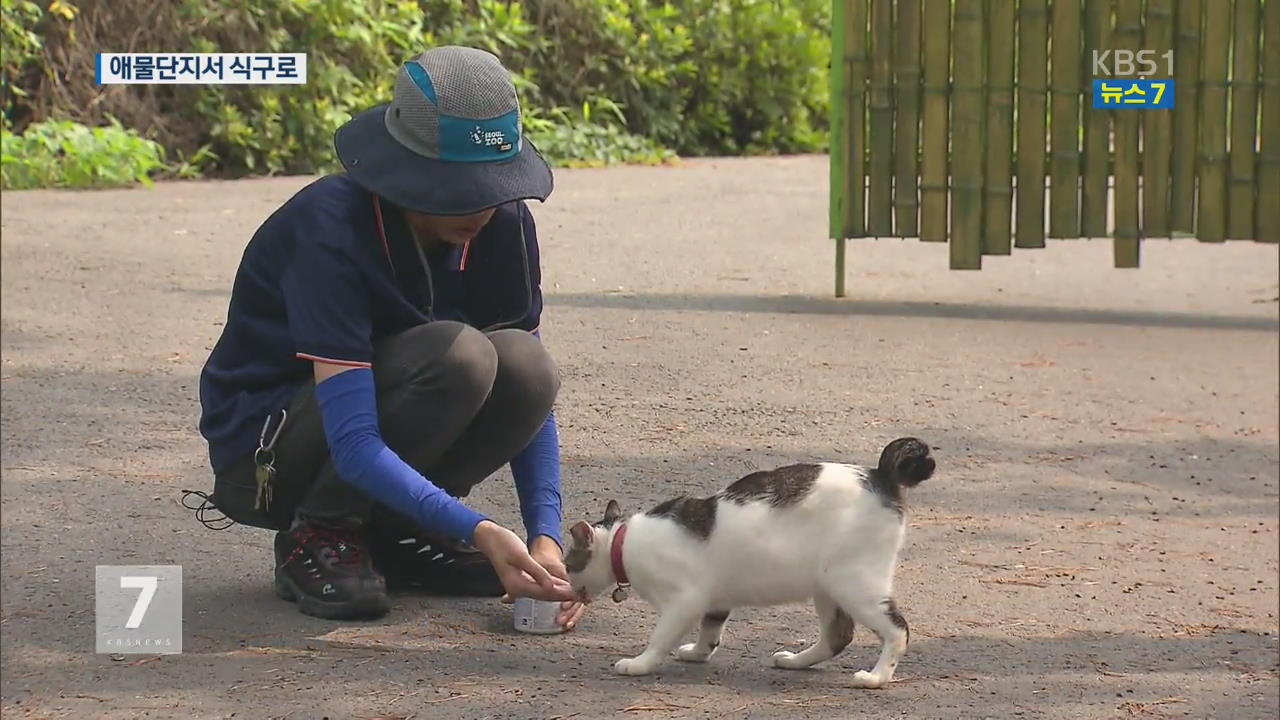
374,159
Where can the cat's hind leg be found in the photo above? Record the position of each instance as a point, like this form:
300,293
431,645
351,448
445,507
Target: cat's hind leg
708,638
676,619
836,632
880,615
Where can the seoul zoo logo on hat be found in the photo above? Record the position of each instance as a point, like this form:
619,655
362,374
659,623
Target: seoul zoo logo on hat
490,138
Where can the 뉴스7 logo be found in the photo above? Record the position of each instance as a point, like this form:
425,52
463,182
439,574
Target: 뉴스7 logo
1122,62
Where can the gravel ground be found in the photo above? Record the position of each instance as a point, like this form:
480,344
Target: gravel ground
1100,539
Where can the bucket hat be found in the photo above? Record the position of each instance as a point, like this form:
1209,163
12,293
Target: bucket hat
450,141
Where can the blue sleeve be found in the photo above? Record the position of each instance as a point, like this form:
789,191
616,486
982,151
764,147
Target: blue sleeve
348,408
536,471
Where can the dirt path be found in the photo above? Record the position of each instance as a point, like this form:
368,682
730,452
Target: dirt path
1100,540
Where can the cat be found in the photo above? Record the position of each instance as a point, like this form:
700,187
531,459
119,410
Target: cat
826,532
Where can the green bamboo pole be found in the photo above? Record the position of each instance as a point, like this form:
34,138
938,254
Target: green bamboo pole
849,20
1064,128
855,49
880,193
1157,128
935,124
1128,35
996,234
837,190
840,263
1244,121
1213,122
1269,157
838,159
1186,115
1033,64
966,118
906,203
1097,127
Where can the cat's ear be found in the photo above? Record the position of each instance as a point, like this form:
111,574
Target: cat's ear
612,511
582,533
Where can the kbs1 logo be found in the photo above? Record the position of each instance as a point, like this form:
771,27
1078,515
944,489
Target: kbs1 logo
1112,90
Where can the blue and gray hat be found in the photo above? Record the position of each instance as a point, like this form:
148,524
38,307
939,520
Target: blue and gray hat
450,140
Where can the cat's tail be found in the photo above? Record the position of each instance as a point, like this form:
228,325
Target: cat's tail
906,462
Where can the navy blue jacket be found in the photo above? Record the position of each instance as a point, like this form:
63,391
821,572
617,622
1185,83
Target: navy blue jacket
330,273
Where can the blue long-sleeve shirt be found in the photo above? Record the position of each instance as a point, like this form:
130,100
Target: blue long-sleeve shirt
536,471
349,413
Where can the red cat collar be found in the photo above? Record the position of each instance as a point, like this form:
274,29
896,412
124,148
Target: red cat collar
615,558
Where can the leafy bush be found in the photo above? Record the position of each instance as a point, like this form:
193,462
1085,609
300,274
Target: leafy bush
67,154
696,76
700,76
569,139
22,44
353,48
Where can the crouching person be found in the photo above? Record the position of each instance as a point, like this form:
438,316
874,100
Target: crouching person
380,358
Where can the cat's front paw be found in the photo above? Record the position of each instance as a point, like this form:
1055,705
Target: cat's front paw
694,653
787,660
632,666
870,681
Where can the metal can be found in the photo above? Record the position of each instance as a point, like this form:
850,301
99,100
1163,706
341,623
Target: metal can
537,616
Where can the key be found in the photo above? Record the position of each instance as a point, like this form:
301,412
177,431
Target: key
265,474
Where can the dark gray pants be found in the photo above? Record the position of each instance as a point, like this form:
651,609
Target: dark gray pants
454,403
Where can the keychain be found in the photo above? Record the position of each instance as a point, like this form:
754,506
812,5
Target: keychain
264,459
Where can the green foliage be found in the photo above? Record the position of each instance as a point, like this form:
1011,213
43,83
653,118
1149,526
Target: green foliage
67,154
600,81
353,48
701,76
763,80
569,139
21,42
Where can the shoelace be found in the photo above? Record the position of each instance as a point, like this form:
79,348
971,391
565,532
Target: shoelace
336,545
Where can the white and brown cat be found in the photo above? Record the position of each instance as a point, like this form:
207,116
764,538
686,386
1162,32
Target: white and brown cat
824,532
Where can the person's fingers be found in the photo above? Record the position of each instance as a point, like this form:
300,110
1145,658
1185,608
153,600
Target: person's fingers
555,592
515,581
567,612
535,570
518,587
570,619
520,580
556,588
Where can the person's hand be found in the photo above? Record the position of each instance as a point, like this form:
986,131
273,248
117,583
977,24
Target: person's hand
520,574
547,553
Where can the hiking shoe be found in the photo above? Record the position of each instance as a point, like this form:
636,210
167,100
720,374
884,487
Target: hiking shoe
328,573
416,561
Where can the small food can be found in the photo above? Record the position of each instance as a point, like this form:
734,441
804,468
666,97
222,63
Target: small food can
537,616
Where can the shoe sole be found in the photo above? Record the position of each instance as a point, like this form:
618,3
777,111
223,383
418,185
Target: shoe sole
372,607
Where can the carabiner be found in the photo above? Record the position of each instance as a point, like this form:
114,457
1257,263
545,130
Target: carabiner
262,437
